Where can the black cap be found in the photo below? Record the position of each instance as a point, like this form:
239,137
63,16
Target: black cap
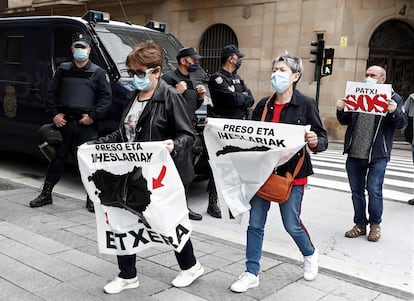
81,39
188,51
229,50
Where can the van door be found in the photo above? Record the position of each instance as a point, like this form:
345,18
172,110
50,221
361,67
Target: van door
25,72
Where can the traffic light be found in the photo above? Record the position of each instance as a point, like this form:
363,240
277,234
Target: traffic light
318,52
328,61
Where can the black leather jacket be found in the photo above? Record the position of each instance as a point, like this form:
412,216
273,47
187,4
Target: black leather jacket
164,117
301,110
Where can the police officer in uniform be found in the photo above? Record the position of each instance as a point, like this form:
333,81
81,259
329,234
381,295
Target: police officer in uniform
78,97
193,94
231,99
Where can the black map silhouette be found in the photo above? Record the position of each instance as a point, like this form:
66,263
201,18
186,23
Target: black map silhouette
128,191
233,149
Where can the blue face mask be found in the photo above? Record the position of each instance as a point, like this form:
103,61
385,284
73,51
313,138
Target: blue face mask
280,81
80,54
142,84
192,67
370,80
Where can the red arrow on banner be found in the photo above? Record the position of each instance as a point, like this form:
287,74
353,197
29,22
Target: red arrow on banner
156,183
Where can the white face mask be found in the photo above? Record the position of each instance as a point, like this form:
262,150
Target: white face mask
370,80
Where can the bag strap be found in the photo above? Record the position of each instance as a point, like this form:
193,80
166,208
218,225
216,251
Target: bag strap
299,164
264,113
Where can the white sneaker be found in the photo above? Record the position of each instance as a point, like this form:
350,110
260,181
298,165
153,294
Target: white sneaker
186,277
246,280
310,266
119,284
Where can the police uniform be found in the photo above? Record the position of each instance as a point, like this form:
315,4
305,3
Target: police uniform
230,96
193,102
231,99
74,91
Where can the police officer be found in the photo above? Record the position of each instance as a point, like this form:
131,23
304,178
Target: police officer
193,94
231,99
78,97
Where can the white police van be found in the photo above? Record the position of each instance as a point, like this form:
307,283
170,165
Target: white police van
31,48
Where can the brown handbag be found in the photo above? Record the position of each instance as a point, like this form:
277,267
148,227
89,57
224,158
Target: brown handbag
277,188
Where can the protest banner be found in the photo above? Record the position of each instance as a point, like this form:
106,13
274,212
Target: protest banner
243,153
367,98
138,196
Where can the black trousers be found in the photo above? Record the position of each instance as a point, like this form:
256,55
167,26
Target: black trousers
74,134
127,263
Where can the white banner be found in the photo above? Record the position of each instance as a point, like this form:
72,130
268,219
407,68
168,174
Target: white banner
138,196
243,154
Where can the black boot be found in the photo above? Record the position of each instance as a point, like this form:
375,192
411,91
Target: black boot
194,216
89,205
213,208
45,197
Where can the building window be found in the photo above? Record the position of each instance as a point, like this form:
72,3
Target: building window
212,42
14,50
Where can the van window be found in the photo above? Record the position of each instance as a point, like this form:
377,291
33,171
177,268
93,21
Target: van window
119,42
14,50
63,41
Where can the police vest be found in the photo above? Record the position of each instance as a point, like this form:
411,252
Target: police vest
77,88
190,95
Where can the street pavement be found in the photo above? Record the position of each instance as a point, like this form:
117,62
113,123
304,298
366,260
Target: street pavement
50,253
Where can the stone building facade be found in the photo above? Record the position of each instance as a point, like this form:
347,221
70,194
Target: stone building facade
362,32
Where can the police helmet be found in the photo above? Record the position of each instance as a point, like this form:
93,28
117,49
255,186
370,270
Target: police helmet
49,136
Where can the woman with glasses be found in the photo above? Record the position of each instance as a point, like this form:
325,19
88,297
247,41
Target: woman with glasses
156,113
286,105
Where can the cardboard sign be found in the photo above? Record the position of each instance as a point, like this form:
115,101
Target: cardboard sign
138,196
367,98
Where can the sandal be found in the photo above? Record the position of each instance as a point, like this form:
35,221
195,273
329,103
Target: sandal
356,231
374,232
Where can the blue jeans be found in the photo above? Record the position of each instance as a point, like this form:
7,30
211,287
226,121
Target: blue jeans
290,211
363,175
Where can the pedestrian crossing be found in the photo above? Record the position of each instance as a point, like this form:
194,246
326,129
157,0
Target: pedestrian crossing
329,172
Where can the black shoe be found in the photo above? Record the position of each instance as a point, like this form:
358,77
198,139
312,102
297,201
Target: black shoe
194,216
214,210
41,200
89,205
411,202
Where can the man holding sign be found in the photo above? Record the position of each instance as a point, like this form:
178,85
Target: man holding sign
372,114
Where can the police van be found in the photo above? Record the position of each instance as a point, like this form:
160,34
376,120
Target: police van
31,48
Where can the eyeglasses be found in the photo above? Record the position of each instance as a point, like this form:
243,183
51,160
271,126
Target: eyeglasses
140,73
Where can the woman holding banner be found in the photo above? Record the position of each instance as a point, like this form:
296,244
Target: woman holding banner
286,105
156,113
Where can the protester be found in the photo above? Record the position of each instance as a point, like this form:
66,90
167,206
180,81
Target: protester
78,97
409,110
368,143
286,105
156,113
231,99
193,94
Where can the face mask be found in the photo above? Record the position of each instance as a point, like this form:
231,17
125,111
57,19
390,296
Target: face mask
238,64
280,81
370,80
80,54
142,84
192,67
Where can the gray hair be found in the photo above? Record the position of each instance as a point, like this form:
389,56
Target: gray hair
293,62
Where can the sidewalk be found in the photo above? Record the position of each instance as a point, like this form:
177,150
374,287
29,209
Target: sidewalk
50,253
